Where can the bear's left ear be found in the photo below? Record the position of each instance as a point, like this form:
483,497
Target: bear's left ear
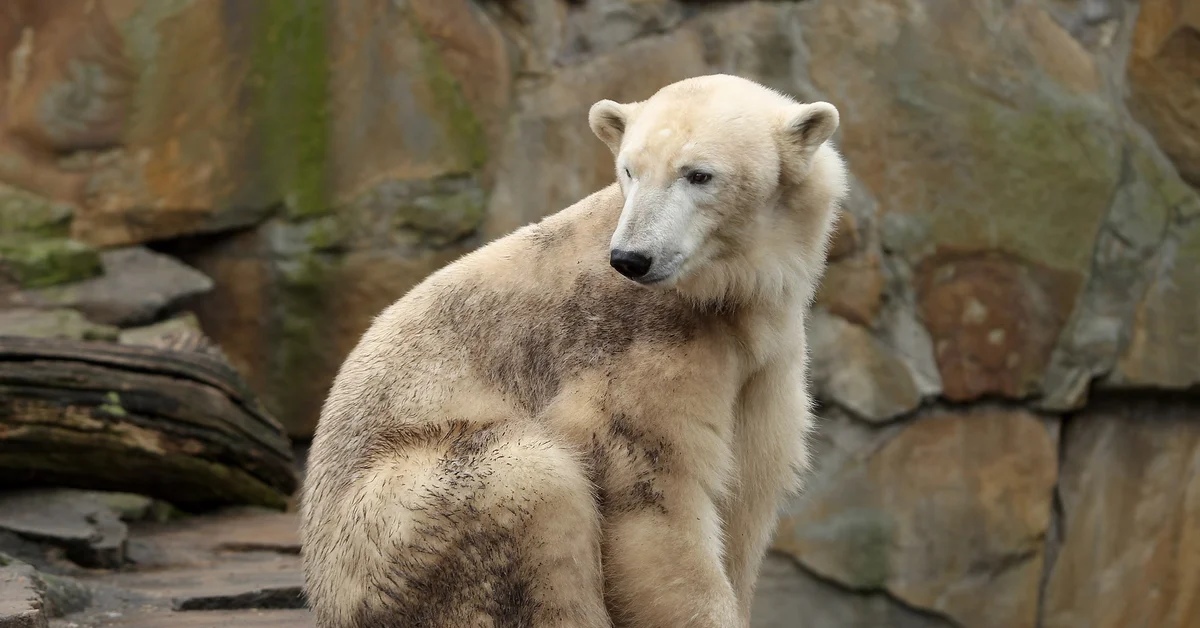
810,125
608,120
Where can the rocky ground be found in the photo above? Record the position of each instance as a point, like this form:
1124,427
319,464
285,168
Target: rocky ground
76,559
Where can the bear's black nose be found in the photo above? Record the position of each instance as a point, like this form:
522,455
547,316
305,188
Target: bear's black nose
629,263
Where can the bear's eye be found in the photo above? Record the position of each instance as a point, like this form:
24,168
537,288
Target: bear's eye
697,177
627,173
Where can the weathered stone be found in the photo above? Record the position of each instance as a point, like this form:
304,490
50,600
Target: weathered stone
175,425
91,533
994,320
853,288
788,596
34,263
1144,226
251,581
593,28
1164,79
968,134
447,78
137,286
193,541
55,323
904,334
1162,348
155,333
21,603
845,239
207,619
947,513
1130,492
856,371
22,212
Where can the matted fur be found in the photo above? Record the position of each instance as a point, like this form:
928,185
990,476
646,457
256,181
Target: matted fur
528,438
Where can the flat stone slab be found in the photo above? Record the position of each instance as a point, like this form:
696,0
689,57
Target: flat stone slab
90,532
136,287
240,581
20,600
198,619
195,542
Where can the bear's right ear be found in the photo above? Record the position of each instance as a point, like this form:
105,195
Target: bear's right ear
810,125
608,120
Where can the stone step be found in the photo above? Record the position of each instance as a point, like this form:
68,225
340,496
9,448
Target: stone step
198,619
20,599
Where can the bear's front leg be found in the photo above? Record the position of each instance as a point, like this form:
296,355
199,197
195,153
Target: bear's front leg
663,565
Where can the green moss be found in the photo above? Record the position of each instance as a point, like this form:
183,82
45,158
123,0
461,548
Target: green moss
443,218
868,538
299,358
1041,182
465,131
22,212
291,79
38,263
325,234
112,405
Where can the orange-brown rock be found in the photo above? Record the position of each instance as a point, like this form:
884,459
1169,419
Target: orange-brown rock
1164,79
994,321
947,513
1130,493
853,288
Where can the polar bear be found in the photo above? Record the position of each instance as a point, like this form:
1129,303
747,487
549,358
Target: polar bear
591,421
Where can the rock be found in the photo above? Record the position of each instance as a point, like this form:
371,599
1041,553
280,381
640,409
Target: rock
450,79
845,239
788,596
22,212
852,288
1164,80
1143,232
994,319
137,286
90,532
180,426
947,513
966,123
208,619
155,333
20,599
193,541
34,263
593,28
856,371
1162,348
55,323
1130,508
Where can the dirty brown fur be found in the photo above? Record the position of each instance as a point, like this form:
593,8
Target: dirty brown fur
530,439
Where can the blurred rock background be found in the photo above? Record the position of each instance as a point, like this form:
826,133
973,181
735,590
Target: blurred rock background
1005,343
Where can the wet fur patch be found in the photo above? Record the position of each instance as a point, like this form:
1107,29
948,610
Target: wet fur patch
627,464
527,345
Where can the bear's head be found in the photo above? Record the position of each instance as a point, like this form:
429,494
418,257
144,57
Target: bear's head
730,188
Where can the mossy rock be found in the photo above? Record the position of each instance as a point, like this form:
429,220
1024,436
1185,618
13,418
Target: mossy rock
25,213
40,263
54,323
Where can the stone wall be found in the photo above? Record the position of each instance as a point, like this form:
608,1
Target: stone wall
1004,344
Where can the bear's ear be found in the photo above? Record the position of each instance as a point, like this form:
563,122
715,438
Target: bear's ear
608,120
810,125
